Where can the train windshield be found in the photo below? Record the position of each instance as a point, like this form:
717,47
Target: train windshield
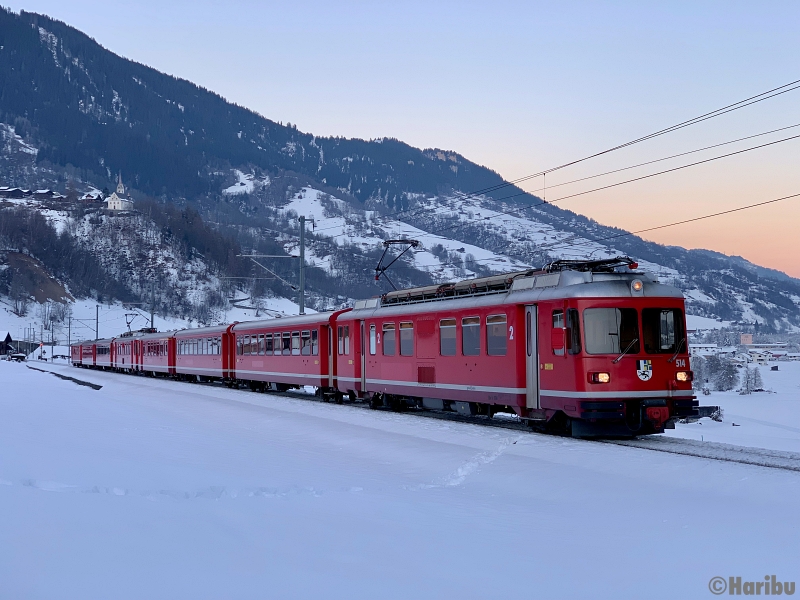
611,330
663,330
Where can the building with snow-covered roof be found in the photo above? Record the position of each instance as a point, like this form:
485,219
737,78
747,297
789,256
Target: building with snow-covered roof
119,200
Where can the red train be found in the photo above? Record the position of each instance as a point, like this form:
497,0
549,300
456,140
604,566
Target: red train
589,348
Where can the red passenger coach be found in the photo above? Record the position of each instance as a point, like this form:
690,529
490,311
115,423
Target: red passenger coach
286,352
157,353
124,356
588,348
104,353
204,354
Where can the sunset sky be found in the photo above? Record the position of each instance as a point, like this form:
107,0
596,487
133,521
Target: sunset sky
518,87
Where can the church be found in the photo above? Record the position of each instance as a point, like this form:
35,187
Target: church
119,200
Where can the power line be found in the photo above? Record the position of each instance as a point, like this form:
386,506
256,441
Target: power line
650,162
517,214
704,117
648,229
523,193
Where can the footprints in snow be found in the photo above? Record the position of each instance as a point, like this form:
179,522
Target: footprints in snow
209,493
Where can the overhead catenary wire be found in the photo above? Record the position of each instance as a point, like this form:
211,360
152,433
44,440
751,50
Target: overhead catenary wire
562,245
524,193
605,187
777,91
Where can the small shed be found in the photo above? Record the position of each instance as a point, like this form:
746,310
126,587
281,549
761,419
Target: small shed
6,342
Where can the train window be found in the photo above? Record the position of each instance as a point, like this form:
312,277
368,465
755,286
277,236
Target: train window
296,343
305,343
573,331
662,330
340,338
347,339
496,335
388,339
406,338
286,343
447,337
314,342
268,344
373,334
557,337
611,330
471,336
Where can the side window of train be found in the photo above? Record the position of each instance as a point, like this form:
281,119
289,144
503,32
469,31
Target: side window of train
340,339
268,344
239,343
347,339
406,338
314,342
496,335
471,336
557,339
305,343
373,342
286,343
447,337
573,331
388,339
295,343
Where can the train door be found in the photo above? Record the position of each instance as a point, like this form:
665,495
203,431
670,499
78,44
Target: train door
531,359
362,359
333,367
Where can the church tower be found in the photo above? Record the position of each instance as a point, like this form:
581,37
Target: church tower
120,187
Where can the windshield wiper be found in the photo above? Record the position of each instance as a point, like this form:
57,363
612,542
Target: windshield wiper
624,352
678,351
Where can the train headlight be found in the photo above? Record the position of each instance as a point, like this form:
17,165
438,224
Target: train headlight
599,377
637,287
684,376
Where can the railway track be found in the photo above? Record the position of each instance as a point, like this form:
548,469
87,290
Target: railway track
760,457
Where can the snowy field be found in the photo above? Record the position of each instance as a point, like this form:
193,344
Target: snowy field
159,489
763,419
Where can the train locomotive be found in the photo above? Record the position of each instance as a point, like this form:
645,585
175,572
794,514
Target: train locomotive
582,348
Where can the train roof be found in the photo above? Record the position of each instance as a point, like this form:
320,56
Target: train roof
612,278
201,331
298,320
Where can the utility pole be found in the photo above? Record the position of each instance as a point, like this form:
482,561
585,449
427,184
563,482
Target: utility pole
96,322
302,295
153,306
69,335
302,300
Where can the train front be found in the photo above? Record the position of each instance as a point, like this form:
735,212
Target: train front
632,375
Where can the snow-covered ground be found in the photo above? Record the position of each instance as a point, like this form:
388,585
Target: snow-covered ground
762,419
159,489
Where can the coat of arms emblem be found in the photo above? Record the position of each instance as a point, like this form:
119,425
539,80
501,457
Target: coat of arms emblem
644,369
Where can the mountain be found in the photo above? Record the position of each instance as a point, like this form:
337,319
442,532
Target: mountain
73,115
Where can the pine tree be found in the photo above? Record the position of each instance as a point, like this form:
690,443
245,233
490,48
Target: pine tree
758,383
747,382
727,378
